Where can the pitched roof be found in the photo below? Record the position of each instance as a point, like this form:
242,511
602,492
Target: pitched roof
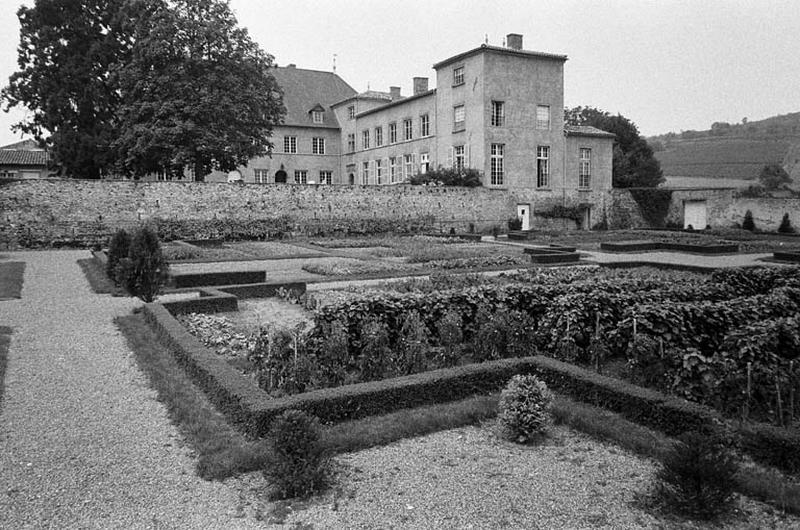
23,158
24,145
587,130
397,102
303,89
499,49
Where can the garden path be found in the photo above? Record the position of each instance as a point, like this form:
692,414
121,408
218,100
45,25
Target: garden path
83,441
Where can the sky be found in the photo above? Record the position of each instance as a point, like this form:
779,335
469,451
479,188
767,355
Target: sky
668,65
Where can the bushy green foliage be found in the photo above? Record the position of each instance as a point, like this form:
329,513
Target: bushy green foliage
118,248
502,333
297,464
653,204
144,272
524,408
412,346
446,176
449,329
773,176
375,348
514,223
786,225
748,223
697,476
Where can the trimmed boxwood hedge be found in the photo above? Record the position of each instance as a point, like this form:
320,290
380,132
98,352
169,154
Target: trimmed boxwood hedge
787,256
252,410
199,279
644,246
556,257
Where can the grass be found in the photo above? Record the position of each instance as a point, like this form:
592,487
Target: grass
5,342
224,452
11,279
96,276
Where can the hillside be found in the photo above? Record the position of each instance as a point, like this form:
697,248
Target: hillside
731,151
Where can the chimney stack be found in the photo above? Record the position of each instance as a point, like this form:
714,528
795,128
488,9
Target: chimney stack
394,91
514,41
420,85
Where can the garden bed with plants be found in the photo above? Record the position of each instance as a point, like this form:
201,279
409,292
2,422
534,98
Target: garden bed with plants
199,251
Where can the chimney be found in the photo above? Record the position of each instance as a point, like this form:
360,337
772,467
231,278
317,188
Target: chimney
420,85
395,92
291,65
514,41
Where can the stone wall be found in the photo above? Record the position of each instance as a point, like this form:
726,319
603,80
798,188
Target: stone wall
53,208
767,212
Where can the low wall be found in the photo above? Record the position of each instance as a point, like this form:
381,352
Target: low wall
49,210
767,212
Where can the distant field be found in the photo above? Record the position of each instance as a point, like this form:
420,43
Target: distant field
721,158
707,182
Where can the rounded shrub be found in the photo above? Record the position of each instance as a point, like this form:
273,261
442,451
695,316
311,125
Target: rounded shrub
117,249
696,477
297,464
524,408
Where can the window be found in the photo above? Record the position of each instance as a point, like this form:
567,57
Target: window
459,157
378,136
392,169
351,142
543,117
498,114
365,139
351,112
290,144
300,176
261,176
392,133
326,177
585,168
318,146
459,115
365,173
458,76
379,171
408,128
316,116
543,166
7,174
498,171
424,162
425,125
409,167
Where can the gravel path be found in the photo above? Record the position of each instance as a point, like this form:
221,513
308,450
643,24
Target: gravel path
83,442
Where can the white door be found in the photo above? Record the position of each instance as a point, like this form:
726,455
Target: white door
694,215
524,214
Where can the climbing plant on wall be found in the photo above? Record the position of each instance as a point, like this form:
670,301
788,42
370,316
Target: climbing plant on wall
653,204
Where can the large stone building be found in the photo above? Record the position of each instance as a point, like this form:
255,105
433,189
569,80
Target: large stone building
495,109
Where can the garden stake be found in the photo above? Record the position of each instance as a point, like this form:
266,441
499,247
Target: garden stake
780,405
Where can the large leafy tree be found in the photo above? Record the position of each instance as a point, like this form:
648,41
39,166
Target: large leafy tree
634,164
197,93
66,56
773,177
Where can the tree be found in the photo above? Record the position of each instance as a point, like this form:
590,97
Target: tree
65,57
197,93
634,164
773,176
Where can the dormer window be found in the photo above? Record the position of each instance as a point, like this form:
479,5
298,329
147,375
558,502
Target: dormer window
316,116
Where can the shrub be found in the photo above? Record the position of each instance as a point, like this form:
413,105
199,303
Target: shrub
696,476
514,223
748,223
443,176
297,464
450,337
117,249
375,350
524,408
410,352
144,272
786,225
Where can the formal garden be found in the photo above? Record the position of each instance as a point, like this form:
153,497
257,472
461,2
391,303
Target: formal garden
699,371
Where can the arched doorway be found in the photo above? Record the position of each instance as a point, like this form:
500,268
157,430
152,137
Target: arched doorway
280,177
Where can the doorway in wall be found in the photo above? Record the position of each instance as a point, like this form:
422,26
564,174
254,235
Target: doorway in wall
587,218
524,215
280,177
695,214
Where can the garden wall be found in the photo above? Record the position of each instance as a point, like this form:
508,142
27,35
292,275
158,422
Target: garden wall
50,209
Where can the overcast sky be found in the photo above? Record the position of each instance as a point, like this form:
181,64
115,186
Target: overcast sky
668,65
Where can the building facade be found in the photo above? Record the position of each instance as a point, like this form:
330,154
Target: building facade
495,109
24,160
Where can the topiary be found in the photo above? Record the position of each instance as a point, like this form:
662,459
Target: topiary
786,225
524,408
117,249
696,476
748,223
144,272
297,463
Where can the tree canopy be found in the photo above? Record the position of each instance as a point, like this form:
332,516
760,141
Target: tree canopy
634,164
773,176
143,86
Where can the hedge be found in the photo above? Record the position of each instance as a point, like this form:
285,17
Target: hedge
556,257
200,279
252,410
210,301
644,246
